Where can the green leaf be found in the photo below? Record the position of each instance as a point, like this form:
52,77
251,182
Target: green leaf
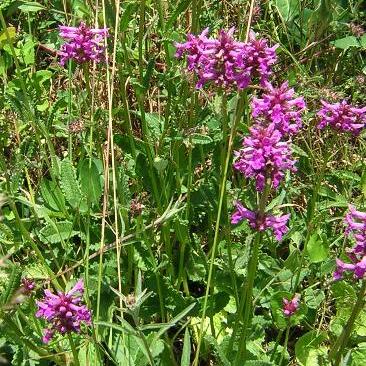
3,38
28,51
31,6
346,42
127,16
288,8
52,195
180,9
90,181
363,41
186,353
57,233
69,184
317,249
199,139
155,124
308,348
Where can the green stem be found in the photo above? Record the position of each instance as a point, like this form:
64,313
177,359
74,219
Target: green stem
338,347
278,338
242,101
247,295
74,351
286,342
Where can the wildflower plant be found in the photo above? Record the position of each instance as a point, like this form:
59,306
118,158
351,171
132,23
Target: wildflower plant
190,181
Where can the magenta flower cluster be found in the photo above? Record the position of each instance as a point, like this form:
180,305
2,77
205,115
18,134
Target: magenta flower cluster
356,227
290,307
279,106
265,155
65,312
83,44
225,61
342,117
278,224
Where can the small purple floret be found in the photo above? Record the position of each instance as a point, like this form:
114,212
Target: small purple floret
83,44
65,311
291,306
342,117
278,224
264,155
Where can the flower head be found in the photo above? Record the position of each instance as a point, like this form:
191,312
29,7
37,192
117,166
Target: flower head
64,312
264,156
291,306
279,106
278,224
28,285
342,117
83,44
225,61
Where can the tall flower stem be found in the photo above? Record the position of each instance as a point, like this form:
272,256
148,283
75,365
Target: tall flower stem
242,102
247,293
338,347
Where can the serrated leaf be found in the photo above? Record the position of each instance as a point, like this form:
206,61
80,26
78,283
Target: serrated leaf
69,184
346,42
57,233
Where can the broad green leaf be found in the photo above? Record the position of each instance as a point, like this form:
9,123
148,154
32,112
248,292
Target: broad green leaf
90,181
3,37
346,42
57,233
28,51
127,16
308,348
317,249
31,6
288,8
52,195
186,353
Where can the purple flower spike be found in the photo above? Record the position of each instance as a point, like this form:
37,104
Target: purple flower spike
342,117
278,106
291,306
264,156
225,61
65,311
278,224
356,225
83,44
